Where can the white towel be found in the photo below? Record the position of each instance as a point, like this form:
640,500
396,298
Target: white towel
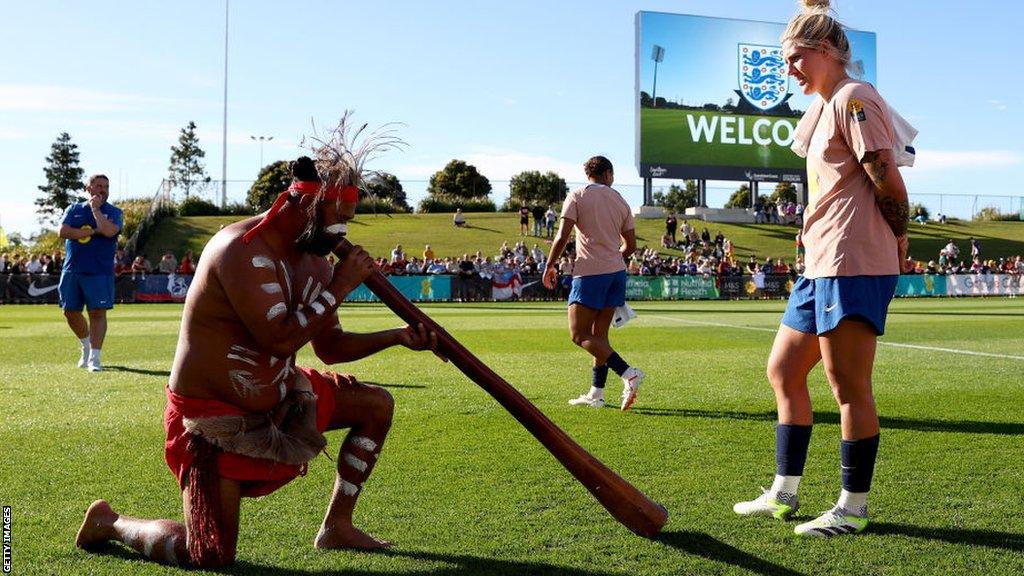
903,133
622,315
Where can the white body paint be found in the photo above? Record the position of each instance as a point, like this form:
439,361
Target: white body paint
262,262
243,350
336,229
242,359
276,310
348,488
305,290
364,443
271,288
354,462
287,280
317,307
302,317
243,382
316,292
329,298
169,549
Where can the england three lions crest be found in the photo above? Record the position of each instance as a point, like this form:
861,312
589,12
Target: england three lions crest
762,75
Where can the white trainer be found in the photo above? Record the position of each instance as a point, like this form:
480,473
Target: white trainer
94,365
586,400
84,360
835,522
632,378
779,505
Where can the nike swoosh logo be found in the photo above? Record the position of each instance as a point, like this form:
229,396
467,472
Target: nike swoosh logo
831,308
36,292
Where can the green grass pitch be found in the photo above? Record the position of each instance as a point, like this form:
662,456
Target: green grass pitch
665,139
462,489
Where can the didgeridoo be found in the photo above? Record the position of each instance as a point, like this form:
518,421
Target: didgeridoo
628,505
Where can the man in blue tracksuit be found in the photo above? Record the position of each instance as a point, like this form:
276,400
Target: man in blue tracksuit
90,232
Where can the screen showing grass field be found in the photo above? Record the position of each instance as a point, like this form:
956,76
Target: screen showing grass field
714,100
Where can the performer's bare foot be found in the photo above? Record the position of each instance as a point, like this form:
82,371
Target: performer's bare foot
348,536
98,527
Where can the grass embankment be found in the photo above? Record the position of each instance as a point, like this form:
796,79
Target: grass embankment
379,234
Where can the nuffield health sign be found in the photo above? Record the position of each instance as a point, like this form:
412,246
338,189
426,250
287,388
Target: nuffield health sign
714,100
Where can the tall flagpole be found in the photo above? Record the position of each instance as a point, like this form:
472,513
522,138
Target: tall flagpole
224,140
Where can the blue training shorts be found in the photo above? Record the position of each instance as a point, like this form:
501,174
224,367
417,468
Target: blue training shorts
599,291
817,305
93,290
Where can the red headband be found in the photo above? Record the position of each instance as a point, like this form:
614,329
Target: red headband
343,193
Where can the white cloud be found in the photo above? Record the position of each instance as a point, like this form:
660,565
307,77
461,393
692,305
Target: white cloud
19,216
503,164
997,104
53,98
935,160
13,134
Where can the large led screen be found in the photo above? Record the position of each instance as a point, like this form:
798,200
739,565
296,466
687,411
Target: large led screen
714,100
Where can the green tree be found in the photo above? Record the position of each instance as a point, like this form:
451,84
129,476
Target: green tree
187,170
386,187
532,187
272,180
740,198
63,177
784,192
677,197
459,180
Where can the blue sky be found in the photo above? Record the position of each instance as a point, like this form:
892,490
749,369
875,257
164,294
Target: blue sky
507,86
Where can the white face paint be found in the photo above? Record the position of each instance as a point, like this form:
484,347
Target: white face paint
364,443
276,310
339,229
354,462
262,262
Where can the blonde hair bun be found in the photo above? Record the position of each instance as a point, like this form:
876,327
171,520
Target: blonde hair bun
816,6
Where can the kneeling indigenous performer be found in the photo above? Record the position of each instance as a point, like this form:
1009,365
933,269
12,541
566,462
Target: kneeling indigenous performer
241,418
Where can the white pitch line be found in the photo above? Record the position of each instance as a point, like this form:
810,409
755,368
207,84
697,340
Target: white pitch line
880,342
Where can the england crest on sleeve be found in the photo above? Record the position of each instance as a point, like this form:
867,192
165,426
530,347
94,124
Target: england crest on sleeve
762,75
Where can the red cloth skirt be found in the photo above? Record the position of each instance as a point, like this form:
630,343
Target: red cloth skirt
259,476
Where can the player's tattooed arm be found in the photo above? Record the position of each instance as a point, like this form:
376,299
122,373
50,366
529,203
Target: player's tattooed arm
890,192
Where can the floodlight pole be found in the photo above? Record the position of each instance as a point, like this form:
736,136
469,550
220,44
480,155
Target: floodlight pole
261,140
657,54
224,138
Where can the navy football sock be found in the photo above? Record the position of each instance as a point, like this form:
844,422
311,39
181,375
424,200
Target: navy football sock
600,376
617,364
791,442
857,458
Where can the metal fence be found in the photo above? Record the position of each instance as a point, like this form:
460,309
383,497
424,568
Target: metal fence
965,206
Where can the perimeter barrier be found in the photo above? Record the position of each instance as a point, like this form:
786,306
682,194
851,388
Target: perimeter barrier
141,288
